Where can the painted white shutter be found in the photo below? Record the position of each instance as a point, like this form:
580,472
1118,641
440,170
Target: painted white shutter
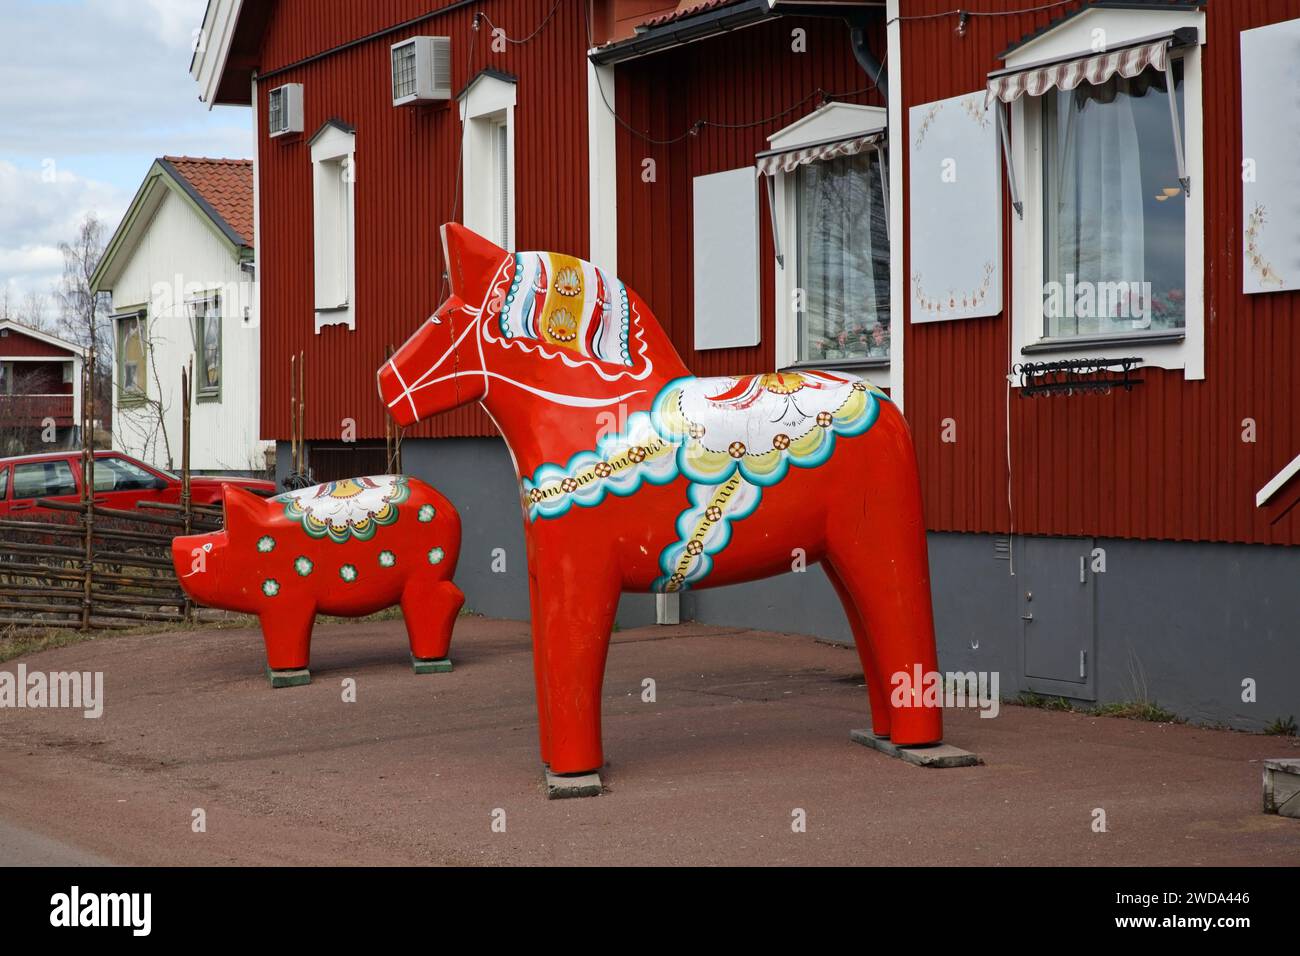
955,205
725,214
1270,134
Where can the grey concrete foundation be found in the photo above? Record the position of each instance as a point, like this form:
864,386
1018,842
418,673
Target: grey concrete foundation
581,785
938,756
1210,632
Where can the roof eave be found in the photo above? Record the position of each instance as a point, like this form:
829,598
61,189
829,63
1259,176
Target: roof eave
707,24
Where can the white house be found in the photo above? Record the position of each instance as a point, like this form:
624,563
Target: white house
180,271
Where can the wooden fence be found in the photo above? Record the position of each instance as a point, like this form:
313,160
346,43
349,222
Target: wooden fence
82,565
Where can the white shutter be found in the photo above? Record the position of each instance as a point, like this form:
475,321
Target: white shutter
1270,139
955,201
725,215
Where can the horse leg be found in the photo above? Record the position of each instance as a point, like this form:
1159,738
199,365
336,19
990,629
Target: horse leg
876,544
572,617
877,687
539,666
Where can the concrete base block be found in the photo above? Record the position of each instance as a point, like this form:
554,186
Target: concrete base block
289,678
431,665
1282,787
939,756
560,787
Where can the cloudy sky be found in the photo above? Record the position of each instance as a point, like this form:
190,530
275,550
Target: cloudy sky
91,91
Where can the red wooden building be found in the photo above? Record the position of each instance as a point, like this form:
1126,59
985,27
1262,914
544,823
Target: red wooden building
896,187
40,390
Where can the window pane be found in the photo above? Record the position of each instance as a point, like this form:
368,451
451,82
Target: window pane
207,338
4,481
843,252
44,479
115,474
131,338
1114,212
502,212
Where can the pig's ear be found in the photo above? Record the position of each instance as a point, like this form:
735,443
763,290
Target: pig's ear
242,508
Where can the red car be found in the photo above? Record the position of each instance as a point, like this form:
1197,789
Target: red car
120,482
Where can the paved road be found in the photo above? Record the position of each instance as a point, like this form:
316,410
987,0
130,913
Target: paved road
197,761
22,847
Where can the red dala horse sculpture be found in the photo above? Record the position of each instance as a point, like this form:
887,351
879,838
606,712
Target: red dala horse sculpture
638,476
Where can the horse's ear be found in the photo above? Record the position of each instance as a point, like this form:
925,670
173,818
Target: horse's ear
471,260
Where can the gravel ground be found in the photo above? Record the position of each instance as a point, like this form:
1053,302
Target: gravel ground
747,728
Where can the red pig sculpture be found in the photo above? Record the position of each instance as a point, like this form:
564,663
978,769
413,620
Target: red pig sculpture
347,548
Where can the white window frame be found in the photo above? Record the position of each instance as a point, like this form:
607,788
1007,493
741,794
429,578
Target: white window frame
487,106
1026,278
829,122
206,301
334,216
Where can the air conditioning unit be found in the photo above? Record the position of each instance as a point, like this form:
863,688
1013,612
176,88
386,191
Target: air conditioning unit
284,109
421,70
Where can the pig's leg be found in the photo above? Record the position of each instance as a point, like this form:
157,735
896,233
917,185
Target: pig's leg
287,633
572,621
429,608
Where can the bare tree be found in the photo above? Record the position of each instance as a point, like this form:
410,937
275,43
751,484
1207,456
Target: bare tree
84,313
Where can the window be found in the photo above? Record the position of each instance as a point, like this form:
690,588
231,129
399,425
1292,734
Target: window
1114,212
44,479
842,246
501,177
131,357
1108,249
826,182
206,316
6,378
118,474
334,198
487,110
4,483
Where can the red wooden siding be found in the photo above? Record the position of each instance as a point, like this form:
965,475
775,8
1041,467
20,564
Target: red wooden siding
1165,461
406,186
15,344
733,79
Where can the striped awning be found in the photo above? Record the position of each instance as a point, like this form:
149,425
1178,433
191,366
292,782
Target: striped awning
788,160
1010,85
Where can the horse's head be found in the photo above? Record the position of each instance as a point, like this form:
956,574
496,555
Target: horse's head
541,324
440,366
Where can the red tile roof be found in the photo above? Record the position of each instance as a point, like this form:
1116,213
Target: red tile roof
224,184
683,11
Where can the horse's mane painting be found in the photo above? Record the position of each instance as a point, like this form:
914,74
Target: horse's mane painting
567,302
